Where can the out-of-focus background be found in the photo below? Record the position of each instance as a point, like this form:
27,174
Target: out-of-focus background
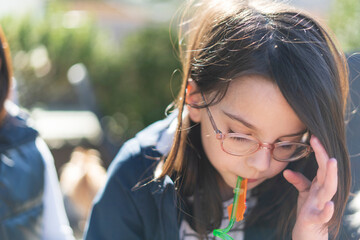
92,73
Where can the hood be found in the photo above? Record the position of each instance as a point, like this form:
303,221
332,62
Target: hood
15,129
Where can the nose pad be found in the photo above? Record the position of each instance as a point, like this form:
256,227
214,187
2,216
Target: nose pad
260,160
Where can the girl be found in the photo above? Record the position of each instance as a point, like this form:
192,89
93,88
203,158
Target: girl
263,97
31,205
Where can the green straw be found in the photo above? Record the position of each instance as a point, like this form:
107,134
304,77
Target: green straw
222,233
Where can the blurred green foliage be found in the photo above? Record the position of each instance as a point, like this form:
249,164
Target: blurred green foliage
132,79
345,22
145,81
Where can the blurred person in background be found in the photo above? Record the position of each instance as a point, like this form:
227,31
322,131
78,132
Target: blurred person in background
31,205
80,180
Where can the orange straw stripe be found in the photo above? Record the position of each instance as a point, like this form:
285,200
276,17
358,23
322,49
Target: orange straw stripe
242,202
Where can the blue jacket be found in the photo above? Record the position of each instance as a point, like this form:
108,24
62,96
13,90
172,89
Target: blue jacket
148,212
21,181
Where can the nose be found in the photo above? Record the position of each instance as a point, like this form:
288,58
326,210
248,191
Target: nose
260,160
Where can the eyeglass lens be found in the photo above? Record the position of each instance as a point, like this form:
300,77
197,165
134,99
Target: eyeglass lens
283,151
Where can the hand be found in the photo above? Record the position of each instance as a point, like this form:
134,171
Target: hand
314,207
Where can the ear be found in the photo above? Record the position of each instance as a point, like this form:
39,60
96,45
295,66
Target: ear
193,99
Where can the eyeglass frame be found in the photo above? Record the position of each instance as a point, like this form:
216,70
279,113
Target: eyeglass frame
261,145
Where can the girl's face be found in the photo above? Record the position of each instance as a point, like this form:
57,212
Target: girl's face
253,105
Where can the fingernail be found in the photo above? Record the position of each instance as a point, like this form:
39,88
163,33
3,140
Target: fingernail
314,139
333,161
330,203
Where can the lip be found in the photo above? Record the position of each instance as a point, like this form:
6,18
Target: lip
251,180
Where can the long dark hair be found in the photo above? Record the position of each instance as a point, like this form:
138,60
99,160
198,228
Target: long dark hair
6,73
223,39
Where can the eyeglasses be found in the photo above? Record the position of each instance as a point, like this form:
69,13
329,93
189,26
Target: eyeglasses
239,144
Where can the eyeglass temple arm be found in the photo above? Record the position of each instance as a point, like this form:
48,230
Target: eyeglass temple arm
217,131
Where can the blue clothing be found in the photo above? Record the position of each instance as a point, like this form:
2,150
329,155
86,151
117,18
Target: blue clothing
148,212
21,181
31,204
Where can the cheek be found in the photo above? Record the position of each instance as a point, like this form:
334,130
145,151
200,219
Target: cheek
212,147
210,144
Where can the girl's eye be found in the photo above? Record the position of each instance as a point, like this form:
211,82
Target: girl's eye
287,147
240,139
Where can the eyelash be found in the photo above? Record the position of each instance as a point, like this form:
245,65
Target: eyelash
231,131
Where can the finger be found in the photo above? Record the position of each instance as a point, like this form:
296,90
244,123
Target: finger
329,189
300,182
321,158
324,215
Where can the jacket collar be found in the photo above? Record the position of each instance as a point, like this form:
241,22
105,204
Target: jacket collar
15,129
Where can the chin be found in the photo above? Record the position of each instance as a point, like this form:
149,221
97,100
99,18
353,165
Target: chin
252,183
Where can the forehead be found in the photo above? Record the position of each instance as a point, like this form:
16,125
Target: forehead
259,101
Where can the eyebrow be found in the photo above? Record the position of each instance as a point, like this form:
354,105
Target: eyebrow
249,125
240,119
